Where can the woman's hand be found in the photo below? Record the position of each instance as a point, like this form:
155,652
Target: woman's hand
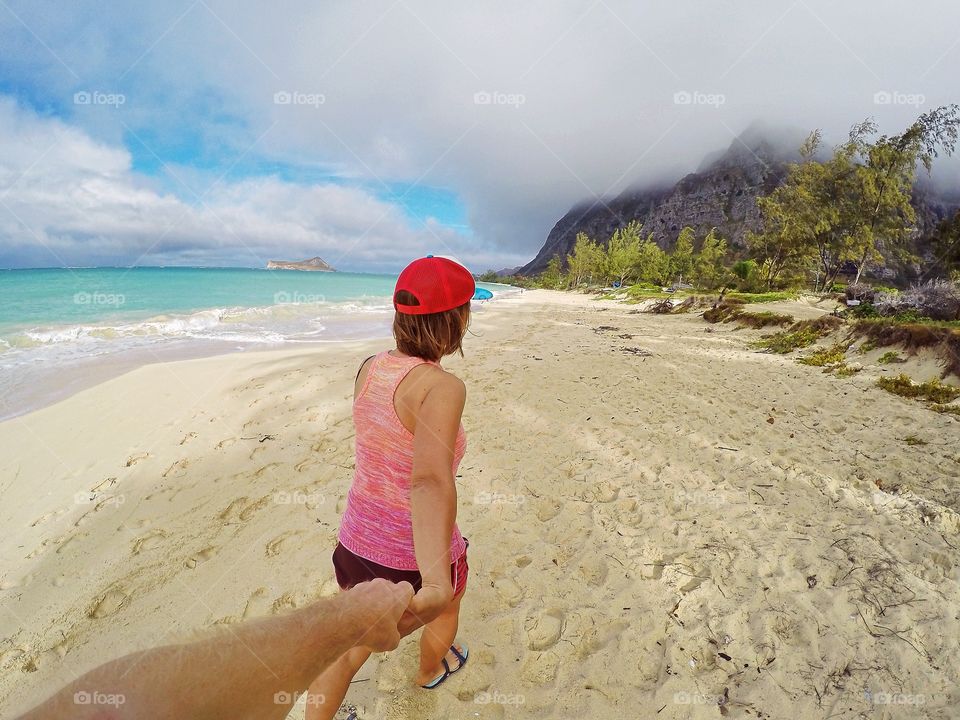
425,606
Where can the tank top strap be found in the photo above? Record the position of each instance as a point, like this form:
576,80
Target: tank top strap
401,367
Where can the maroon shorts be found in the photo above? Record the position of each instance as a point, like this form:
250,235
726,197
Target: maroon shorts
352,569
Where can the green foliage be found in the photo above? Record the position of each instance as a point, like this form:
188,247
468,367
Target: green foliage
681,260
490,276
891,356
623,253
833,355
585,263
757,298
730,312
844,371
843,209
932,390
709,271
800,335
552,278
863,310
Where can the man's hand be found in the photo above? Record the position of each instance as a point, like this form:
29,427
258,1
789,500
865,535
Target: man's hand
379,605
426,605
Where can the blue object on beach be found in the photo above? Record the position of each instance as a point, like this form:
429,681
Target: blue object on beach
482,294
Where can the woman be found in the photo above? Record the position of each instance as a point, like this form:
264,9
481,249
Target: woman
400,519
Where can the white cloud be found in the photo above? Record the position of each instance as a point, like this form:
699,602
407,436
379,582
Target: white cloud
399,79
68,199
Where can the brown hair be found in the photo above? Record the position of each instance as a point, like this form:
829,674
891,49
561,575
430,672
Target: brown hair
430,336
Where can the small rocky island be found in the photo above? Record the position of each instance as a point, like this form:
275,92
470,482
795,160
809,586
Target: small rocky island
317,264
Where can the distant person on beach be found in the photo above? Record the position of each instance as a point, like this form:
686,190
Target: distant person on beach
400,519
255,669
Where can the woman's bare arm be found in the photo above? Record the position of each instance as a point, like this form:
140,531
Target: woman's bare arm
433,495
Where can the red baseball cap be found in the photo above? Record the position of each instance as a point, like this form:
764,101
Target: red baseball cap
438,283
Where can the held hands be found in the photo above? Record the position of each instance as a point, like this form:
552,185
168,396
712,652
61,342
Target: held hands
387,611
379,605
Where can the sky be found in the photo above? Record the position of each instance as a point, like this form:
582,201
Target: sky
229,133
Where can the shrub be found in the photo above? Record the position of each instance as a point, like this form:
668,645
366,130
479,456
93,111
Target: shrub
944,338
843,370
891,356
729,312
863,310
827,356
936,299
932,390
860,291
800,335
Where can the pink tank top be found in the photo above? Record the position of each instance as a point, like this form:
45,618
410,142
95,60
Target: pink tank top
377,524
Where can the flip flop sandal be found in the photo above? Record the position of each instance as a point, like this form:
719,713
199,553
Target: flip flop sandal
438,680
462,657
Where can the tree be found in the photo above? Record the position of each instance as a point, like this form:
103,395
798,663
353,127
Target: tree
946,245
681,261
653,265
585,261
623,252
709,271
552,277
850,207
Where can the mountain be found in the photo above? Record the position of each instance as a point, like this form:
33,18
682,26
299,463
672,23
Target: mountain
722,193
315,264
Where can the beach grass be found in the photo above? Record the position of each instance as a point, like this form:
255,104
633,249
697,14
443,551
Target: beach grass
933,391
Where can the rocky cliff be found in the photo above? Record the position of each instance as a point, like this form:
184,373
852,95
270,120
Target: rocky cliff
722,193
316,264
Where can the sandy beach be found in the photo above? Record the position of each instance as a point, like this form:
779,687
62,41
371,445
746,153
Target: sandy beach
663,522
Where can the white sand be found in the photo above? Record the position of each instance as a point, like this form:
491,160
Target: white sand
631,518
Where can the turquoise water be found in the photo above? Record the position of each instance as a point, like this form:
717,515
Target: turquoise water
69,324
62,296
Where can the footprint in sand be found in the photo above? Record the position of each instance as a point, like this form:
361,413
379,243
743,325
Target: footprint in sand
242,509
47,517
108,604
202,556
149,541
225,443
104,484
188,437
544,629
509,591
134,459
281,542
258,604
176,468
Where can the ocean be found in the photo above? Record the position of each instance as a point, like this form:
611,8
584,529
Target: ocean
64,329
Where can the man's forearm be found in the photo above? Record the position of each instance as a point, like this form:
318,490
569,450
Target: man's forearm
251,670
